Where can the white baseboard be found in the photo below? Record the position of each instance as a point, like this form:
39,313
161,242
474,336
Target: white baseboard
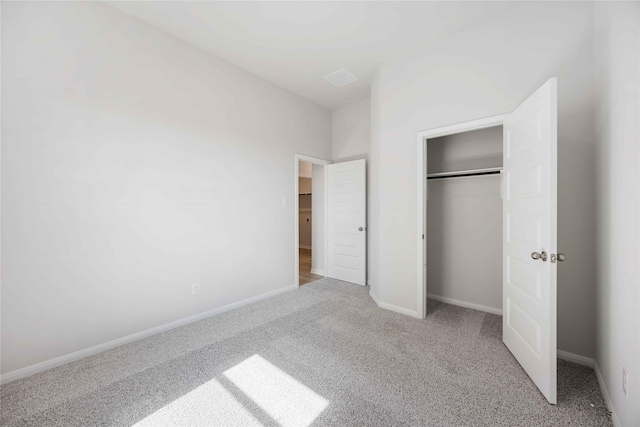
395,308
605,395
575,358
304,247
72,357
587,361
465,304
318,272
374,298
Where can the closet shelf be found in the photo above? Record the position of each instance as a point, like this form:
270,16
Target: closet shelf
469,172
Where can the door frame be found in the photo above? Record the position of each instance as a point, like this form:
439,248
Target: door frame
421,226
296,212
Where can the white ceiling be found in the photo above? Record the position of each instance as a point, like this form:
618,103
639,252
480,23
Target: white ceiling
296,44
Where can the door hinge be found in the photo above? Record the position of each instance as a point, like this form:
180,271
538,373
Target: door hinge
423,237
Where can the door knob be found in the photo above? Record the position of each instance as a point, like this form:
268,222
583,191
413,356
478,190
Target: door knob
561,257
537,255
360,228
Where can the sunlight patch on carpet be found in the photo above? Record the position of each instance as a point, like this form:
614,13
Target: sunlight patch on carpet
285,399
202,406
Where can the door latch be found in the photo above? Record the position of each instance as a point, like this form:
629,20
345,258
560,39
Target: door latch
537,255
558,257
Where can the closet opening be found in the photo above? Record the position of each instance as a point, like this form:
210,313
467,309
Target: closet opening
460,223
464,219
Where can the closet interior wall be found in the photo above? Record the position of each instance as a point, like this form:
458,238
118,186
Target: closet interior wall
464,220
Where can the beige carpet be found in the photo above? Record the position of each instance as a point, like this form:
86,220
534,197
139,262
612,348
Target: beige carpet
321,355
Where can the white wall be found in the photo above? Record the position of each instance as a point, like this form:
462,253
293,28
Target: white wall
318,224
351,133
132,166
483,71
351,140
617,59
464,220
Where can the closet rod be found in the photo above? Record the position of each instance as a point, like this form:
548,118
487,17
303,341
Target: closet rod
460,174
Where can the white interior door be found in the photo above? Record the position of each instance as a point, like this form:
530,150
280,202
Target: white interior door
529,268
347,242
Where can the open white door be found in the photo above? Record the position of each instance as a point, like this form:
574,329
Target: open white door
347,243
530,210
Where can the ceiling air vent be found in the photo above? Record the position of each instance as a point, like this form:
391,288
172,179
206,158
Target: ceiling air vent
341,78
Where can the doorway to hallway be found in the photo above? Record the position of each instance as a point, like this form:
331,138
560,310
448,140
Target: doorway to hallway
310,218
305,267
